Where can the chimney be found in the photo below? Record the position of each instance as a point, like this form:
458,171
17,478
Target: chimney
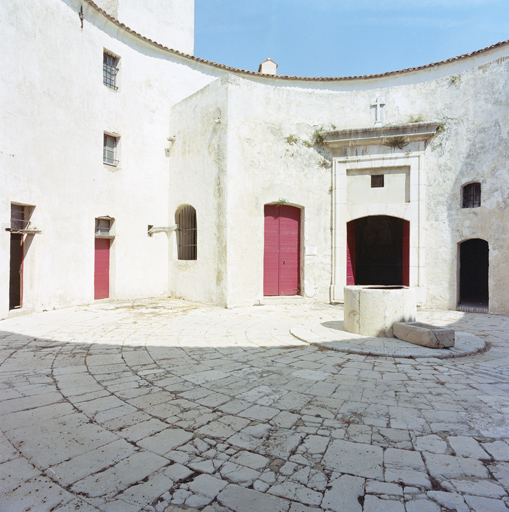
268,67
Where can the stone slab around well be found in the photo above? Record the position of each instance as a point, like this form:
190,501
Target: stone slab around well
425,335
331,335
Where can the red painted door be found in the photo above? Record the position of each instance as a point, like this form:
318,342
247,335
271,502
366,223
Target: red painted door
350,253
282,250
102,268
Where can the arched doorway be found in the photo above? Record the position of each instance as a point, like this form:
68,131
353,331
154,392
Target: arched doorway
474,273
378,251
281,267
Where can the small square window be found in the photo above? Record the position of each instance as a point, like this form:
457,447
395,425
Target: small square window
377,181
102,227
110,150
110,70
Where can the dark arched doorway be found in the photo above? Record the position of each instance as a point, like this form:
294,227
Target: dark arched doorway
378,251
473,274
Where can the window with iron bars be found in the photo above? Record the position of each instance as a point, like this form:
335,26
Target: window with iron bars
185,218
110,150
377,181
471,195
110,70
19,217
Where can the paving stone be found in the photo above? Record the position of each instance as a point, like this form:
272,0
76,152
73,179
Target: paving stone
422,506
386,488
374,504
296,492
485,488
165,441
431,443
251,460
91,462
449,500
354,458
343,494
498,450
120,476
248,500
467,447
445,467
207,485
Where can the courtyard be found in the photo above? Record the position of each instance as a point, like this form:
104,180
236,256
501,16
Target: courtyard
167,405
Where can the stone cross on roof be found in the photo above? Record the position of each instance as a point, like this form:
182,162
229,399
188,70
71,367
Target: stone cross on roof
378,105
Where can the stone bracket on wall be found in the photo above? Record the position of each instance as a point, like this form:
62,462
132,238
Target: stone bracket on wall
160,229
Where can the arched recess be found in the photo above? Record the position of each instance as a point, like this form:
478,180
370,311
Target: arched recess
378,251
187,232
281,264
473,273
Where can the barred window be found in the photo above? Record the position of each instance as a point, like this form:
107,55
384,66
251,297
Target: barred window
377,181
110,70
471,195
185,218
110,150
19,217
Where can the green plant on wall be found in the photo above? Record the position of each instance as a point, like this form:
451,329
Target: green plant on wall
416,118
454,79
317,137
292,139
396,142
325,163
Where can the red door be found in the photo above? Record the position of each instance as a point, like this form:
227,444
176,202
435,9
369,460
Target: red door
282,251
102,268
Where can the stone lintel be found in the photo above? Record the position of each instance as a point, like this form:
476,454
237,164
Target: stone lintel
382,135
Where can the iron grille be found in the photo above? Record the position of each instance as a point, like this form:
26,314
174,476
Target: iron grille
472,195
110,71
19,218
377,181
186,233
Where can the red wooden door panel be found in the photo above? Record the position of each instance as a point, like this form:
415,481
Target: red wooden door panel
102,268
350,253
271,251
281,251
289,250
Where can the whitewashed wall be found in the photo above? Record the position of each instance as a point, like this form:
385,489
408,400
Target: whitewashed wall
56,109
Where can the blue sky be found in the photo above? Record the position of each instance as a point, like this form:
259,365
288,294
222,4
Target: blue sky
345,37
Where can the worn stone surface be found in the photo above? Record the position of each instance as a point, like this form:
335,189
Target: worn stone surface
424,334
170,407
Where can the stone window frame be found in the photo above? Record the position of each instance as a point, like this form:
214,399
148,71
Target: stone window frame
471,194
111,144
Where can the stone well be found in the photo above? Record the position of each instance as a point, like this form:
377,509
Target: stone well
372,310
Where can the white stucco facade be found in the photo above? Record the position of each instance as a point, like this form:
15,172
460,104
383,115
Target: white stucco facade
229,142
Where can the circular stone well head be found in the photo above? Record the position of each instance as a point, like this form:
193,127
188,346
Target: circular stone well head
373,310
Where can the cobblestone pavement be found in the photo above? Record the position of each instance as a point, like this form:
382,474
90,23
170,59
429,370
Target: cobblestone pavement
163,405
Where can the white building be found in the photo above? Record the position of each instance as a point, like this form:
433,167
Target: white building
130,168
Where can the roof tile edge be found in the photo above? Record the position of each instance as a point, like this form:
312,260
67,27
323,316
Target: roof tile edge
287,77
